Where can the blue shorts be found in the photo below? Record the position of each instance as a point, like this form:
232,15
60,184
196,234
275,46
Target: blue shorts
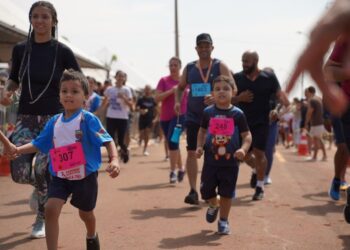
224,178
168,128
84,192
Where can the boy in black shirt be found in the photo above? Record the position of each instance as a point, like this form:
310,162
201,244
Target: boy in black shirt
223,149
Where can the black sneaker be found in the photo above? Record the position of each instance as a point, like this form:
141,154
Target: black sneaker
180,175
124,155
212,213
93,244
192,198
347,206
259,194
253,180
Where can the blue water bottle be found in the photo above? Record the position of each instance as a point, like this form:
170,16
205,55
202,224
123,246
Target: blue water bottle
175,137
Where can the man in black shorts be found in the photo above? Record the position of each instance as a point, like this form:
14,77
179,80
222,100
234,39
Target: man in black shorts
255,90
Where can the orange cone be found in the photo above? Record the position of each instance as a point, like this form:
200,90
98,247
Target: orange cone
303,147
4,166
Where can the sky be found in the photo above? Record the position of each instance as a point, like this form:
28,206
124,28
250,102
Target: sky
141,32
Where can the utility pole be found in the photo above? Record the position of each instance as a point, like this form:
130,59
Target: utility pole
177,52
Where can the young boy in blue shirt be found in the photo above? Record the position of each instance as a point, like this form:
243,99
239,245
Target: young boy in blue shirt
73,139
225,138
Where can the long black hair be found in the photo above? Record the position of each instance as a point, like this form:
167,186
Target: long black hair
30,38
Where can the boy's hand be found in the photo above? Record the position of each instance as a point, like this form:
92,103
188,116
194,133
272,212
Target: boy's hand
113,168
199,152
239,154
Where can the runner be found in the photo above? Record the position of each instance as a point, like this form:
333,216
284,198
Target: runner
334,22
335,70
255,88
222,151
74,137
94,101
118,100
37,66
199,75
166,89
314,116
146,106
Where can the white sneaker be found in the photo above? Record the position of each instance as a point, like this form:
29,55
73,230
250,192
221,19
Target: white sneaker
33,201
173,177
38,228
267,180
145,153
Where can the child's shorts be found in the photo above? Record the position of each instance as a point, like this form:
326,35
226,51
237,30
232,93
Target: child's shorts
223,178
84,192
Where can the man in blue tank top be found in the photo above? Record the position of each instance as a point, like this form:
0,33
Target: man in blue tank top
199,75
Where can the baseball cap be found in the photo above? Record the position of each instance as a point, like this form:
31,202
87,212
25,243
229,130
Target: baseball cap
204,37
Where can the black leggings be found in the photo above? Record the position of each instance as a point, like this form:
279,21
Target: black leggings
119,126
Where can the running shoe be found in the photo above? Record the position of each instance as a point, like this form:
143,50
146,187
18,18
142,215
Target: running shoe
223,227
334,191
267,180
145,153
343,185
212,213
347,206
253,180
93,244
124,155
192,198
259,194
173,177
38,230
180,175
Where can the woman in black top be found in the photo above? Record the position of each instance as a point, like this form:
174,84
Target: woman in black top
37,66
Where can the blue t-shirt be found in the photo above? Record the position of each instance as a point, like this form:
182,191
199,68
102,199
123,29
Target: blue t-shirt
195,104
93,103
219,149
94,136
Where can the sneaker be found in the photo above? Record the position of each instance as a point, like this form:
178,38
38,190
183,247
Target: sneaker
212,213
343,186
180,175
253,180
124,155
93,244
33,201
38,228
192,198
173,177
267,180
145,153
166,158
259,194
334,191
223,227
347,206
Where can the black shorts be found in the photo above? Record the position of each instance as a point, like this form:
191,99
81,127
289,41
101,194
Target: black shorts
145,123
260,133
224,178
84,192
192,133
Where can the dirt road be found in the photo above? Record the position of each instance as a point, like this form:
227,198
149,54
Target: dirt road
141,210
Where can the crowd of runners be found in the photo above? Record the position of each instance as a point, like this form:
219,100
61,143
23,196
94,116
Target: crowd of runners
228,117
